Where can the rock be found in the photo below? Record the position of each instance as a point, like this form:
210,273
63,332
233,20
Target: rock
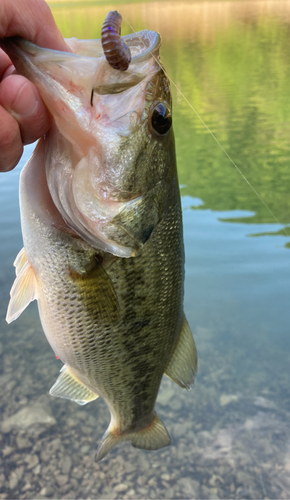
128,467
37,469
7,451
182,429
210,493
249,424
19,472
92,421
66,464
165,395
121,487
140,481
27,486
214,480
169,493
28,416
226,399
175,404
144,462
85,449
178,430
71,422
4,379
32,461
55,445
244,478
15,477
264,403
47,491
77,473
23,442
45,455
23,402
13,480
10,386
61,479
165,477
190,486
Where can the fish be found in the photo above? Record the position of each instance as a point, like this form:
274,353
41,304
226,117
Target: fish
102,230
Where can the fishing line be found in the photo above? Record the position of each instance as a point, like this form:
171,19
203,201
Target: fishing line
213,135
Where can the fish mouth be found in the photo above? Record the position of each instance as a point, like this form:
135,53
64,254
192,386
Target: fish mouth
68,81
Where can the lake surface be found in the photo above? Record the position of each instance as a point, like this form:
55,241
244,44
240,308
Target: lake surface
231,433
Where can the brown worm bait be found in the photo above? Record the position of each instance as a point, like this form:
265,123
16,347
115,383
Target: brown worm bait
116,51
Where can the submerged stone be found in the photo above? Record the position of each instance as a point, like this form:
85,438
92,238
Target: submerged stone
28,416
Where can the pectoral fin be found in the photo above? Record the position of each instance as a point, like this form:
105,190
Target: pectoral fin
24,288
152,437
20,260
183,364
68,386
95,282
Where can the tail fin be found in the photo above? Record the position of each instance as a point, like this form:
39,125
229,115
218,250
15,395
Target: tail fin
153,437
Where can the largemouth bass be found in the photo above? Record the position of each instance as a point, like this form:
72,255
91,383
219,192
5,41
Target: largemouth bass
102,230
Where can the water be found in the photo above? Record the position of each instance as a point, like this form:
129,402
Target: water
231,433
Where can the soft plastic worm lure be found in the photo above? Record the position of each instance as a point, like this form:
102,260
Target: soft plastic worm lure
116,51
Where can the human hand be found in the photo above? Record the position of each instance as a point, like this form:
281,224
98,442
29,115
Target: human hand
23,116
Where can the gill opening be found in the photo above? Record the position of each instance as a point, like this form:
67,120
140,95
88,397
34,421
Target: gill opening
284,229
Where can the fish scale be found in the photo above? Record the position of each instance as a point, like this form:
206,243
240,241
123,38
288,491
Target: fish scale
103,241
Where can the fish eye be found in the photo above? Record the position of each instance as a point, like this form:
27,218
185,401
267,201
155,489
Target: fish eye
161,119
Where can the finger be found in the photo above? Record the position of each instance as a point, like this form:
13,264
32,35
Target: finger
10,141
33,20
22,100
5,63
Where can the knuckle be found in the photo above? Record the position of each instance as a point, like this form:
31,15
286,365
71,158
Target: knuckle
10,141
9,135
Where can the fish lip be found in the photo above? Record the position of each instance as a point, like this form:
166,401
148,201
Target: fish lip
30,48
150,39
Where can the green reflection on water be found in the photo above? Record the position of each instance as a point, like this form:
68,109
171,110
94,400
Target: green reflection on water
231,61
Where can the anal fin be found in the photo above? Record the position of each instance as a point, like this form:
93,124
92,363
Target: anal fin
24,288
182,366
68,386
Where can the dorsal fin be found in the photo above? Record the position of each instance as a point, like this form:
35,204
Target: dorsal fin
182,366
24,288
68,386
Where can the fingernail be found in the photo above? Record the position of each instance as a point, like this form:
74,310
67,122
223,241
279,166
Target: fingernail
26,101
